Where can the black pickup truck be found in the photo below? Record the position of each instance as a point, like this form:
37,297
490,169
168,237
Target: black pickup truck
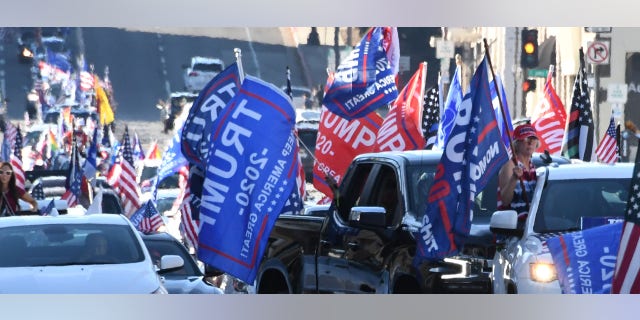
364,242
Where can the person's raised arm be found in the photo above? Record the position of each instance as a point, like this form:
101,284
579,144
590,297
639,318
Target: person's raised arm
507,179
34,204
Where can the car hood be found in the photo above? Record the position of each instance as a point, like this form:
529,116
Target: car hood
78,279
189,285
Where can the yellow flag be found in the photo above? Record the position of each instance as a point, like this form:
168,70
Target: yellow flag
104,108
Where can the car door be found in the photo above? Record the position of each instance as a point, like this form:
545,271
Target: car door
350,258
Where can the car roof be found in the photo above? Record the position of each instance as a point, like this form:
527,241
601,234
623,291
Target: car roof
429,156
64,219
589,170
208,60
168,192
157,236
180,94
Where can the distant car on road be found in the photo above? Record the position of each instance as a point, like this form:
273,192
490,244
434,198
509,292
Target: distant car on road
187,279
200,71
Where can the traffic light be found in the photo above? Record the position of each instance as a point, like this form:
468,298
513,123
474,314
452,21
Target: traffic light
529,57
529,85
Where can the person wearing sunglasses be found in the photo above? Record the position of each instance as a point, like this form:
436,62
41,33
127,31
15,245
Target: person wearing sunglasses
9,205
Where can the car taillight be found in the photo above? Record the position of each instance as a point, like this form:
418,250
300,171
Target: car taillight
193,74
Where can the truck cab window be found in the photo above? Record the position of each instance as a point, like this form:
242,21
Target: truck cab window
349,194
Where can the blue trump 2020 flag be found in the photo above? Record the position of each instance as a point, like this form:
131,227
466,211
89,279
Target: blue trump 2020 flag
363,82
172,160
196,130
472,155
585,260
250,174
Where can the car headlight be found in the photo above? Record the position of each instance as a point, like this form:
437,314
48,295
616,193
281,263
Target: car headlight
542,272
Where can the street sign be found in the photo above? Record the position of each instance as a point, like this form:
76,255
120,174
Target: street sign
598,52
617,93
537,73
444,49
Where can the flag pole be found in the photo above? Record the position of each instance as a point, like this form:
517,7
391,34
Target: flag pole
238,54
504,117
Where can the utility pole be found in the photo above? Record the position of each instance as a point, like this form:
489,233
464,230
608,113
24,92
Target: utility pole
336,45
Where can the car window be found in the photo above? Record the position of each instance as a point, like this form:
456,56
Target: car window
148,173
110,204
352,188
568,204
423,176
165,204
65,244
170,182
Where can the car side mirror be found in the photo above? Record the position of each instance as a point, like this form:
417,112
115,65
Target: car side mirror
368,217
505,222
170,263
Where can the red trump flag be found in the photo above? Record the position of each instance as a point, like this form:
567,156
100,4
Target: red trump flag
402,127
549,118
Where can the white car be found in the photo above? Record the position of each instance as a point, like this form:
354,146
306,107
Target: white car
200,72
99,253
566,198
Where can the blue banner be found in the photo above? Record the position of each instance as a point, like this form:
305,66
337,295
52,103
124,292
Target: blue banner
172,160
450,109
363,82
585,260
196,132
472,155
249,176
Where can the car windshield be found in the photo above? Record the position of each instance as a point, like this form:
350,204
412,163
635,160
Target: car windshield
148,173
207,67
68,244
577,204
165,204
159,248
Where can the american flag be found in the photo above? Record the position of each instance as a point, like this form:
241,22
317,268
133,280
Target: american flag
122,177
47,211
138,152
625,276
86,80
16,160
431,116
607,150
580,135
74,178
38,192
189,226
8,140
147,219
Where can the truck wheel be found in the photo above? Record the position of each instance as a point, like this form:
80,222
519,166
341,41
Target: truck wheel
272,281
